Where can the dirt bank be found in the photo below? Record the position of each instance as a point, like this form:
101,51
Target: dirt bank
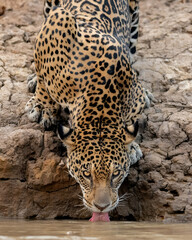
34,182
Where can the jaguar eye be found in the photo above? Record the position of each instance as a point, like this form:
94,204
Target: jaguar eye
116,173
86,174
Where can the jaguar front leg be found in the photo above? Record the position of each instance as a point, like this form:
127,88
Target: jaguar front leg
41,107
32,82
149,98
134,152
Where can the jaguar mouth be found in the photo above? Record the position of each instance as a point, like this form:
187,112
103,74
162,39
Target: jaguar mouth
95,208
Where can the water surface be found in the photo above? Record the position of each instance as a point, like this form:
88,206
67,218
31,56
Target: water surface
84,230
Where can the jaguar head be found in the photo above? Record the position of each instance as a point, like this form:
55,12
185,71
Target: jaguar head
99,167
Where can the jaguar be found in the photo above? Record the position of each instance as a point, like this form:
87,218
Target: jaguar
83,61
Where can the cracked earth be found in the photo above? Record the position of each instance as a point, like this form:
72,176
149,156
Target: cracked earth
34,182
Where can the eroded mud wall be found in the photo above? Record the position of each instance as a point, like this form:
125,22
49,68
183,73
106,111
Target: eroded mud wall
34,182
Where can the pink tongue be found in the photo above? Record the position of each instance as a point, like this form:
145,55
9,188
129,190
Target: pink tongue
100,217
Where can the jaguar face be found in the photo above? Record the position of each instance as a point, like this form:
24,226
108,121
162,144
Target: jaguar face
100,189
100,174
99,167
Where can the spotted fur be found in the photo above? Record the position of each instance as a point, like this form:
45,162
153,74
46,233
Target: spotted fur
134,10
82,60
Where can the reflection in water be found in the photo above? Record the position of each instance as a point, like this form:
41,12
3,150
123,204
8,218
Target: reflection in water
84,230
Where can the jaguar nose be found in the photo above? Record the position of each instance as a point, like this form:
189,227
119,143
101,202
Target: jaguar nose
101,207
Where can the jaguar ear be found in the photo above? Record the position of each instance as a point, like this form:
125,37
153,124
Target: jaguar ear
131,131
64,134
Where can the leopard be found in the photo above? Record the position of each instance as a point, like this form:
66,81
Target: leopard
83,63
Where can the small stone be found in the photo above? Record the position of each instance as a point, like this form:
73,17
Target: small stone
179,205
154,159
155,177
